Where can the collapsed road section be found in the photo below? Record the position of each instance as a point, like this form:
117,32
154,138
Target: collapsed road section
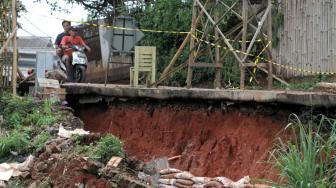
201,138
206,132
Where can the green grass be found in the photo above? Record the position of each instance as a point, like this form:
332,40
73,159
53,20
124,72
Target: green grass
102,150
20,117
15,141
24,112
40,140
307,160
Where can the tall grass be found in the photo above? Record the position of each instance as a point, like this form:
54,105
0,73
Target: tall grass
308,158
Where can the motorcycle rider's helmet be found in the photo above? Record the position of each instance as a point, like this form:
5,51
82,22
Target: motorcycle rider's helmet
74,28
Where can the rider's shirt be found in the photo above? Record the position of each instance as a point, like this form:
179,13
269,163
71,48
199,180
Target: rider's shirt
60,37
69,41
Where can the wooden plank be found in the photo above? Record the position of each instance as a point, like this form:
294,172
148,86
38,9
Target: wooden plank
208,65
264,65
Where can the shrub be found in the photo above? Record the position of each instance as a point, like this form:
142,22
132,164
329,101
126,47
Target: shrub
24,112
308,159
41,139
103,149
109,146
16,141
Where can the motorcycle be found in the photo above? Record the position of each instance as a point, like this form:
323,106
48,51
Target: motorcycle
79,64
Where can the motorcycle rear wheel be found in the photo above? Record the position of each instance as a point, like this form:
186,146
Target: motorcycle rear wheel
79,73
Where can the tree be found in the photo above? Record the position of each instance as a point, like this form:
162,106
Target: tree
99,8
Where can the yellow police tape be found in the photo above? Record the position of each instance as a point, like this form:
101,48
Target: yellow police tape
132,29
256,62
198,31
258,58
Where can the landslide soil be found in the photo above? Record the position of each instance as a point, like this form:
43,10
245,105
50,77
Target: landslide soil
233,142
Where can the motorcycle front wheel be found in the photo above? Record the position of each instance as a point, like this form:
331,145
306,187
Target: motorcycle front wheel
79,73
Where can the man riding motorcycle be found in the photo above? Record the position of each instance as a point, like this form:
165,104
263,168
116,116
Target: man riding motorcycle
66,26
66,44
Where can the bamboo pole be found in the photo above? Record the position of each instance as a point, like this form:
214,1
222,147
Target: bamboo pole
176,56
217,55
14,67
7,41
192,44
269,34
257,32
181,48
243,49
219,31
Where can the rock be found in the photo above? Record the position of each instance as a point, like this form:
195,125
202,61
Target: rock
93,166
109,172
80,185
25,174
33,185
127,182
52,130
144,177
135,164
41,166
2,184
53,148
155,166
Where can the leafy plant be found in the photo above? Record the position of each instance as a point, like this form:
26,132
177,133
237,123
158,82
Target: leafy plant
103,149
16,141
24,112
109,146
308,160
41,139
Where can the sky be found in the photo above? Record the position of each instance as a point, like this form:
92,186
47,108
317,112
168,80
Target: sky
41,21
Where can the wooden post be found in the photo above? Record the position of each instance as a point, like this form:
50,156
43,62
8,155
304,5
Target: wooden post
269,36
244,36
260,24
176,56
217,55
15,55
192,45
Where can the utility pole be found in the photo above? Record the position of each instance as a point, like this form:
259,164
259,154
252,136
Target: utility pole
15,55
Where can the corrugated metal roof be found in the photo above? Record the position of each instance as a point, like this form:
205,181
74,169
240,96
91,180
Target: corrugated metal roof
34,42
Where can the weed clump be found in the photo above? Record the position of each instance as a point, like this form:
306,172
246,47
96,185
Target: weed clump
308,159
22,121
102,149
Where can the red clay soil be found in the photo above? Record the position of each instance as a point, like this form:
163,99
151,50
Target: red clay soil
65,172
230,144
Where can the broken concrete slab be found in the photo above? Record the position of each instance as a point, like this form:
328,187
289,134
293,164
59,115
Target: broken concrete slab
309,98
114,162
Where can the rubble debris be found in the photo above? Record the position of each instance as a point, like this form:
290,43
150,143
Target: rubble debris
175,158
326,87
174,178
153,168
7,170
68,133
114,162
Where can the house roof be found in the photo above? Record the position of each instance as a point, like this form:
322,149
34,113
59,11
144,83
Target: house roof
34,42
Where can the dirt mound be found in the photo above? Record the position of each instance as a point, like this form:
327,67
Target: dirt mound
211,142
